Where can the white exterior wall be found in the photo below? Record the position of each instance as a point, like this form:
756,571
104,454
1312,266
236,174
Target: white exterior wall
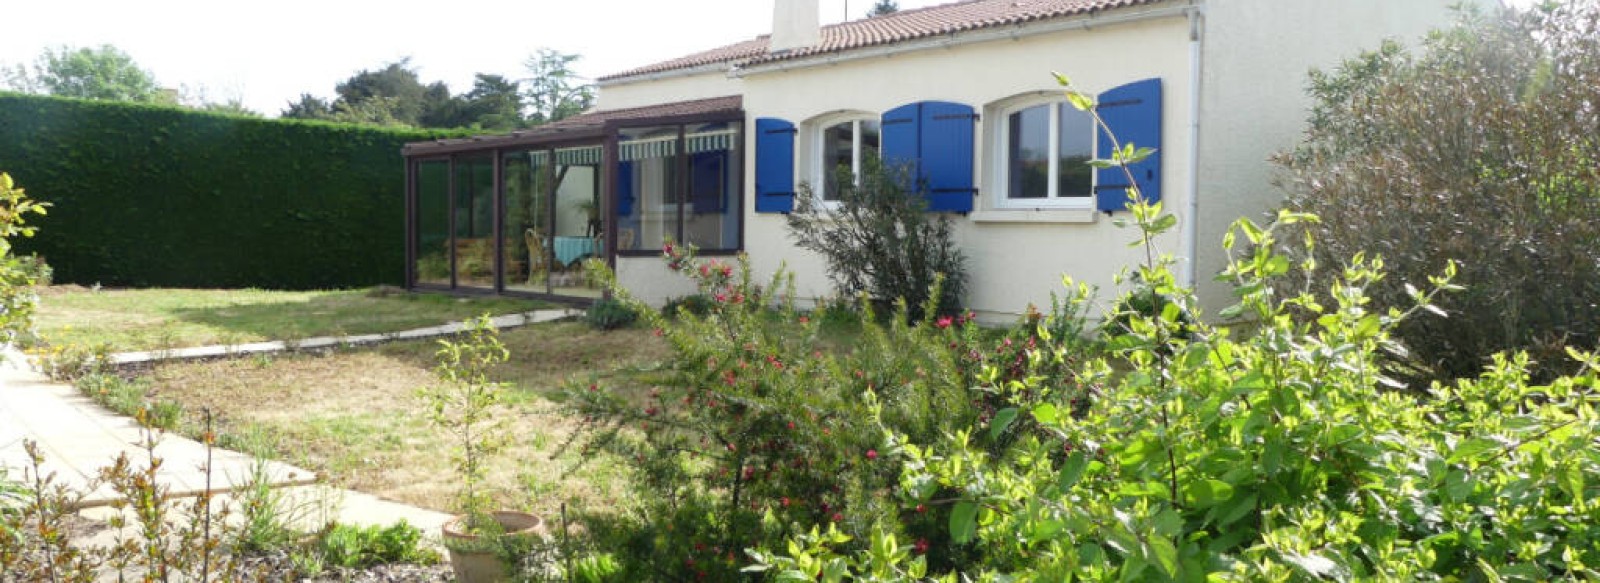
1254,103
1011,262
668,89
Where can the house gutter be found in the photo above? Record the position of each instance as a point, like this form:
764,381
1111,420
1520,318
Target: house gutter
1191,219
1020,31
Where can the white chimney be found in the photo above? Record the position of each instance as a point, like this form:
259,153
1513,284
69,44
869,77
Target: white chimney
796,24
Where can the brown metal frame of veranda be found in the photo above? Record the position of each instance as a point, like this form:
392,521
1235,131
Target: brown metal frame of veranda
604,135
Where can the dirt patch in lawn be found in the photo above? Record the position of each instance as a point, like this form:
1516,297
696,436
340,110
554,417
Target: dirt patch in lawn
355,417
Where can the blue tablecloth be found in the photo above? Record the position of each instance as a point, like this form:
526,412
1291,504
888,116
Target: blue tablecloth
570,249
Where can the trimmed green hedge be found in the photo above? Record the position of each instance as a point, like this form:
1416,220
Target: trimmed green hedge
162,196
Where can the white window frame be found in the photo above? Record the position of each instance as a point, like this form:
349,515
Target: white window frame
1000,151
817,169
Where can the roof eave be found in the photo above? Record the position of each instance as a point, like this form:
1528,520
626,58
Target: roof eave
1088,21
725,67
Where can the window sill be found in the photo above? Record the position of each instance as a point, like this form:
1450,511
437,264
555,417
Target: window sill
1034,215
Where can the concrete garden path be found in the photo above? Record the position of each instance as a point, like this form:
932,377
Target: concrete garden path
77,437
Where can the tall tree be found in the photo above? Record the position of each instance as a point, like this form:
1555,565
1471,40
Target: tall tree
884,7
104,73
554,90
308,107
495,103
397,83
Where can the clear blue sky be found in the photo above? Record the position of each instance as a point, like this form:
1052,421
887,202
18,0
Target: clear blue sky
268,53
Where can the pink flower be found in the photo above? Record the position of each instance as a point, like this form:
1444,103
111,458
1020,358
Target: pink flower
872,454
921,546
944,322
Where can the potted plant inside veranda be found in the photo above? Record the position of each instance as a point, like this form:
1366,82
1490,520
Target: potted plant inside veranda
481,542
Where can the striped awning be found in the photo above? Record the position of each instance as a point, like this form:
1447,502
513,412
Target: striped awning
585,156
661,147
712,141
664,146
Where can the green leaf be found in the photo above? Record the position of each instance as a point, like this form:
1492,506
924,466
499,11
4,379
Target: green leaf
1072,470
1002,420
1046,414
963,522
1235,509
1164,223
1165,555
1080,101
1472,449
1313,564
1572,481
1207,493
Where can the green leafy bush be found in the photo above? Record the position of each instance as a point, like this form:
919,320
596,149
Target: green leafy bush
1478,147
34,267
209,200
17,298
697,304
359,547
611,314
881,241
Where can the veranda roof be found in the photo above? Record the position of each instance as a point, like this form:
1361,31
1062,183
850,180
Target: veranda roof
587,126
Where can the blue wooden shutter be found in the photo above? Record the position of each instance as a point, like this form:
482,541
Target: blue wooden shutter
930,142
774,165
946,142
1133,112
900,144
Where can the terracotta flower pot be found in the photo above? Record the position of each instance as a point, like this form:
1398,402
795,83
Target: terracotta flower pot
475,560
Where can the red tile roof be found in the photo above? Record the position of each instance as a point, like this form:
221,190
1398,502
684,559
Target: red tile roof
581,126
900,26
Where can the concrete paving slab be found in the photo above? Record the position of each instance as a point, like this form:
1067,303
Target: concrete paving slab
77,438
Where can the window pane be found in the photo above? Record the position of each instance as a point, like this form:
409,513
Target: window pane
575,234
711,220
870,130
526,218
1076,148
433,222
647,197
838,152
474,246
1028,154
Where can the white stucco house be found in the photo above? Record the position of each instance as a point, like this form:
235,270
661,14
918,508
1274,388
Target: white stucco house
709,148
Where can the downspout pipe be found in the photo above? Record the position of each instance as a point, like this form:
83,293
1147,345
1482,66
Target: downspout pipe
1191,218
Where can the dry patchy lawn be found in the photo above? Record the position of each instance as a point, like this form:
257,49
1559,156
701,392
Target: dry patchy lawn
355,417
148,319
